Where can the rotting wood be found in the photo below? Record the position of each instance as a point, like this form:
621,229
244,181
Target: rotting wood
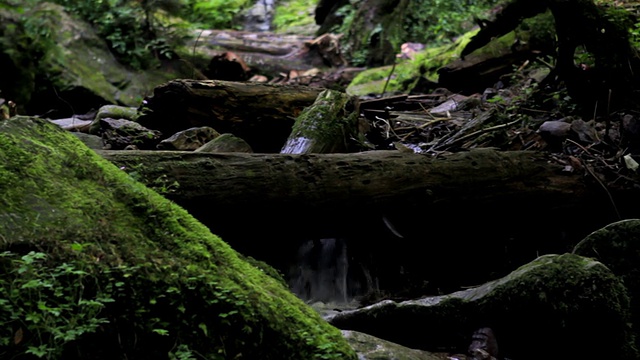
375,178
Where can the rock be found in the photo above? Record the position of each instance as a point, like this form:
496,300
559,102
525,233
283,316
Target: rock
189,140
113,112
91,141
119,133
121,272
617,245
72,124
575,306
225,143
76,62
372,348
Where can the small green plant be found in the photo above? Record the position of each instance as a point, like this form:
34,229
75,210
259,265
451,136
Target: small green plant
294,13
44,306
216,14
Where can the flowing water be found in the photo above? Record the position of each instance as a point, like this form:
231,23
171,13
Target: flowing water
258,18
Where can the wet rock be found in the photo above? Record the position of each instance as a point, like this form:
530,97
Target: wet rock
119,133
568,300
225,143
189,140
372,348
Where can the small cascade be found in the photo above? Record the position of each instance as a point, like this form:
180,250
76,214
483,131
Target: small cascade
258,18
321,272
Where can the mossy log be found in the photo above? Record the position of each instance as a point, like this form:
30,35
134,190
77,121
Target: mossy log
261,114
324,127
364,179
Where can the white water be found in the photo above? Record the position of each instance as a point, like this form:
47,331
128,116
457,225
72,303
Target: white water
321,271
258,18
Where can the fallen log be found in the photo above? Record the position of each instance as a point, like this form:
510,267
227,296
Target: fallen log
267,53
261,114
455,220
379,178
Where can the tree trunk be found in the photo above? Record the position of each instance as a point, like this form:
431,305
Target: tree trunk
261,114
595,33
376,178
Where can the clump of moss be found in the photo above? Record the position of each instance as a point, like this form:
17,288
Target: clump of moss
98,266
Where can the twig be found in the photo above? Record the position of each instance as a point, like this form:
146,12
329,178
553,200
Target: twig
393,68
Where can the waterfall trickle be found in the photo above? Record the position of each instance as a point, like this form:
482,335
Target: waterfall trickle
258,18
321,272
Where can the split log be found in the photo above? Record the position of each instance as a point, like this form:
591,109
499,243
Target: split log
324,127
261,114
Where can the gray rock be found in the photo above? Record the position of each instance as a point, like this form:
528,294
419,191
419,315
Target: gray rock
72,123
112,112
119,133
225,143
189,140
92,141
372,348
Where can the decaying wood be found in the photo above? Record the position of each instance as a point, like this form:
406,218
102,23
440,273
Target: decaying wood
261,114
377,178
324,127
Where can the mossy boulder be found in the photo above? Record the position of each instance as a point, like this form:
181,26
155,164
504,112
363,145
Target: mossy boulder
403,76
97,266
67,68
617,245
556,307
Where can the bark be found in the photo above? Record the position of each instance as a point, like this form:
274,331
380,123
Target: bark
376,178
324,127
261,114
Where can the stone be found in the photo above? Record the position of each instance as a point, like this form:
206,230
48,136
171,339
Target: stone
112,112
225,143
119,133
564,301
617,245
189,139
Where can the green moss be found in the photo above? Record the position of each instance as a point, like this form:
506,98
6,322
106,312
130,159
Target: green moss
163,282
406,72
294,14
572,297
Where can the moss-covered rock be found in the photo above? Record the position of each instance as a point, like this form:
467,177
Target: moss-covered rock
617,245
67,68
405,73
95,265
556,307
226,143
